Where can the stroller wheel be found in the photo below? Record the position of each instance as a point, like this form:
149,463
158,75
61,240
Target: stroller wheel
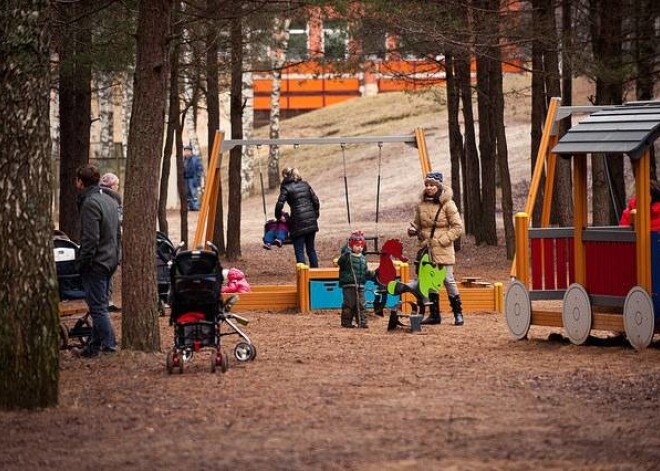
172,361
218,359
64,337
244,351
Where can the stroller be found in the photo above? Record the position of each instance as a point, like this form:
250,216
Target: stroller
164,255
70,288
198,311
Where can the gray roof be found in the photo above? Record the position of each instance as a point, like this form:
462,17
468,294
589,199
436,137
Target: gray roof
624,129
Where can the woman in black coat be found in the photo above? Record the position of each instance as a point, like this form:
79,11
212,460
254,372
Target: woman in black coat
304,206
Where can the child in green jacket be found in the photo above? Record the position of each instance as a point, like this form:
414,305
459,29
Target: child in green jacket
353,274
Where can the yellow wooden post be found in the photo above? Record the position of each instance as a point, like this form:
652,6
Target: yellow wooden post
643,220
423,152
541,155
210,182
579,215
522,247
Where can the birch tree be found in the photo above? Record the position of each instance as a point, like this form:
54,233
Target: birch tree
29,334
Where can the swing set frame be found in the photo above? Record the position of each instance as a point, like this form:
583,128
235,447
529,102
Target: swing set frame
299,296
206,221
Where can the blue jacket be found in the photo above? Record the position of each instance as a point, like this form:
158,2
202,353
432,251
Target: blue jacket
193,169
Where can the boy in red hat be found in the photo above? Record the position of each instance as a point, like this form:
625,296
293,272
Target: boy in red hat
353,274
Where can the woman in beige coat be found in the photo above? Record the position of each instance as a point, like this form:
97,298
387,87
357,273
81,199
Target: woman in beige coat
437,209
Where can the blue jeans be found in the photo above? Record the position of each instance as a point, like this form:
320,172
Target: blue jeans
270,236
96,296
302,243
191,194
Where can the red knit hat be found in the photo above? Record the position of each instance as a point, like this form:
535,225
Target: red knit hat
357,238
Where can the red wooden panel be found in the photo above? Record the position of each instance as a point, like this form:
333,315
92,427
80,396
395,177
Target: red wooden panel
611,267
537,269
571,261
549,263
562,263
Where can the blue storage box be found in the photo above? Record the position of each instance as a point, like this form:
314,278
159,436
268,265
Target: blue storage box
326,294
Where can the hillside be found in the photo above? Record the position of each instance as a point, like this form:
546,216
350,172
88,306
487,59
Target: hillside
322,166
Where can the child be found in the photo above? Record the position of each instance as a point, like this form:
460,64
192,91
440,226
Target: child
353,273
276,231
236,282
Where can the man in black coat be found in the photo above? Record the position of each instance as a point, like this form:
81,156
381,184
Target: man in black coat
99,255
303,224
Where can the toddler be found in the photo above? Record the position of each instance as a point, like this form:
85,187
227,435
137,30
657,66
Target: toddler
353,274
276,231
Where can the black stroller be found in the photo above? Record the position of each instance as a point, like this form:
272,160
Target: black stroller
198,311
70,288
164,255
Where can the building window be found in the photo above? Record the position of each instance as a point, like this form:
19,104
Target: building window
372,36
335,40
298,44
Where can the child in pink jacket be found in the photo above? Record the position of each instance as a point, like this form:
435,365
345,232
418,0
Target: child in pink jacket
236,282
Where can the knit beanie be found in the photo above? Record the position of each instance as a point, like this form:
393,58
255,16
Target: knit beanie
357,238
433,178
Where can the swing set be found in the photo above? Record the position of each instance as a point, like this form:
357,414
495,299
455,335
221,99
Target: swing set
316,288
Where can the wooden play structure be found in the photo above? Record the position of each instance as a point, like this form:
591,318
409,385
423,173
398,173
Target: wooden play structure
607,278
316,288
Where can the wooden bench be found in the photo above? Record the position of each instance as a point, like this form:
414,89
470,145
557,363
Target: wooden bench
72,307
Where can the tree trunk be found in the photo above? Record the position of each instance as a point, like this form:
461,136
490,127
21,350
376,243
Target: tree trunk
471,170
455,137
105,151
608,198
281,39
213,107
126,106
562,194
485,31
29,333
236,109
75,107
180,181
506,197
563,176
247,159
539,103
645,15
140,326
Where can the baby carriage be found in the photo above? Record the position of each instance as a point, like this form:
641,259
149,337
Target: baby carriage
198,311
70,288
164,254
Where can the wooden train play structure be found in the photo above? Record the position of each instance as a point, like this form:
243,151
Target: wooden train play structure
316,289
607,278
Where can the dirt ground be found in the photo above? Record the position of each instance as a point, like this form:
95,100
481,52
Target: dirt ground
321,397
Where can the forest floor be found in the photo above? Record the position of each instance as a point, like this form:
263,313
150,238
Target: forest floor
321,397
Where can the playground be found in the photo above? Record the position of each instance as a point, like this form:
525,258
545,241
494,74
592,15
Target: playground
321,397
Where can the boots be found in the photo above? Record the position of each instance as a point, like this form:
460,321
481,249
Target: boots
456,307
434,315
347,318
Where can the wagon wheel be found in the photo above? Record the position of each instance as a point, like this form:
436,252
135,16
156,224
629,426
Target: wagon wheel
638,318
518,310
576,314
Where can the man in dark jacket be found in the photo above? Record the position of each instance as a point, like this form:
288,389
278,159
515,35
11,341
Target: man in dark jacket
99,255
303,223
